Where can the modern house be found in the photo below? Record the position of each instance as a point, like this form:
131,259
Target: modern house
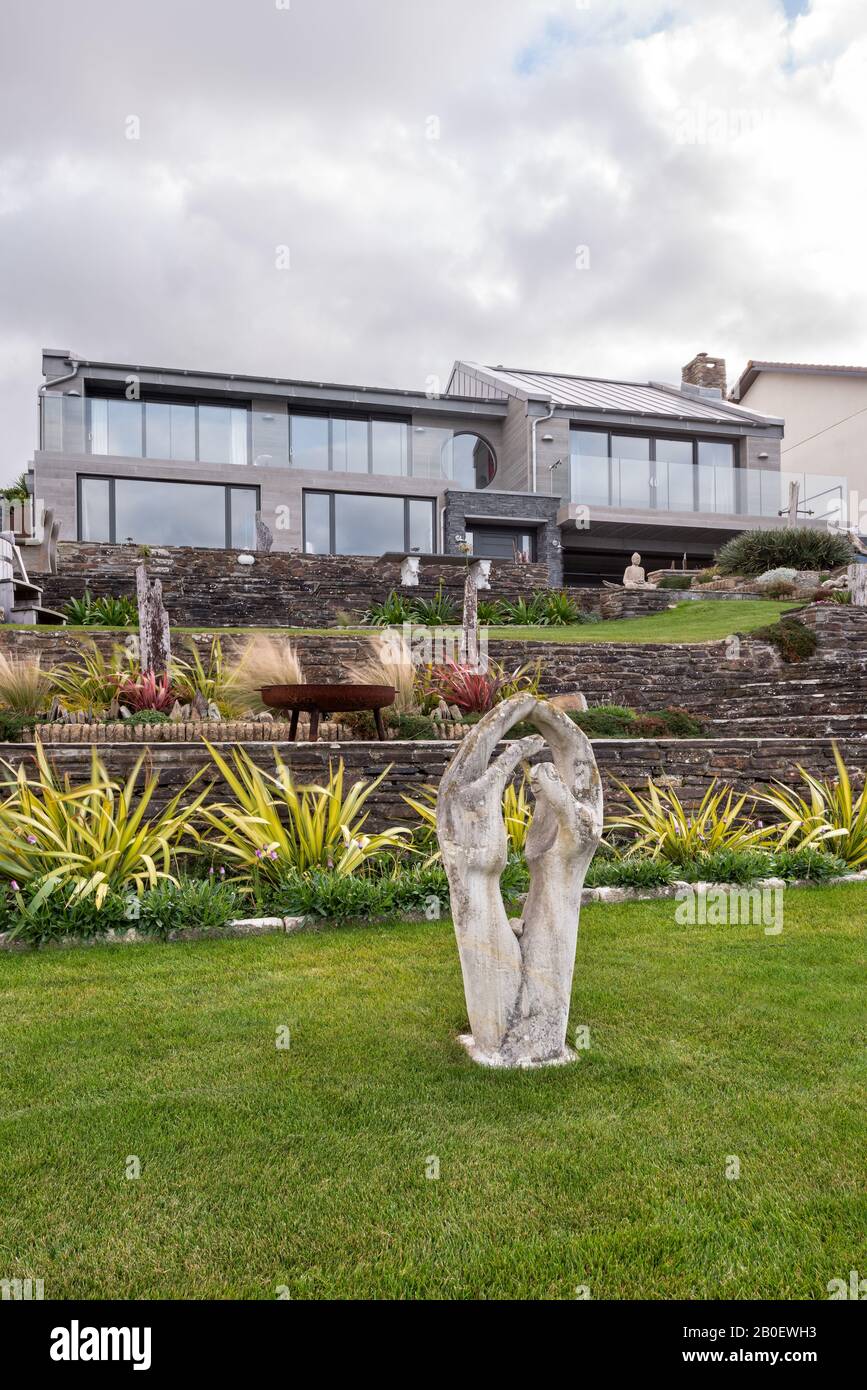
578,471
825,409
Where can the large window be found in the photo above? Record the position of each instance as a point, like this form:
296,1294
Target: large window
649,471
167,513
591,483
168,430
359,523
341,444
308,441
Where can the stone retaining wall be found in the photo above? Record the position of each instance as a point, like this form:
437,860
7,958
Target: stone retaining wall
209,588
720,681
689,765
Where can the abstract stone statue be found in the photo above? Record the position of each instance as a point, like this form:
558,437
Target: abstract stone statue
518,974
153,623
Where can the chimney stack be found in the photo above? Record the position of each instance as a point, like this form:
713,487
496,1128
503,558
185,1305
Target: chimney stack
708,373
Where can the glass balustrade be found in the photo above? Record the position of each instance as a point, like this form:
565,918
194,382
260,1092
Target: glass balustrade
720,489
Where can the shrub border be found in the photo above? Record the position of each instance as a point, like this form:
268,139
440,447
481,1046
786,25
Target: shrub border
268,926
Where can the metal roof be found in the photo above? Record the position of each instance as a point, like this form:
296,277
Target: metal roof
599,394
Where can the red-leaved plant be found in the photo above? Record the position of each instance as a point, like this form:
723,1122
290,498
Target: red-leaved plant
147,691
475,692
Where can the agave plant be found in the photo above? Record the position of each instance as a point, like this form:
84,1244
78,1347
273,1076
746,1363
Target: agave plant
531,612
24,687
664,829
491,612
560,609
434,612
393,611
831,817
88,840
273,825
147,691
101,612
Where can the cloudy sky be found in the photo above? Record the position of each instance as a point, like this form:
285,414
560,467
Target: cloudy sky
363,190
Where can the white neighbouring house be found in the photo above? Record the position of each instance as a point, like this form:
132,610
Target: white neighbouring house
825,413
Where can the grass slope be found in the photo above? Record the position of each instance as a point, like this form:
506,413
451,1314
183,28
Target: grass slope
699,620
703,620
305,1168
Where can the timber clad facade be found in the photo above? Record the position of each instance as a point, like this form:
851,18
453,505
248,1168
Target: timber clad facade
572,473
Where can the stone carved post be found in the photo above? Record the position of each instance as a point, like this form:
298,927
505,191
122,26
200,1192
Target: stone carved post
264,535
477,577
153,621
857,571
470,621
518,975
857,575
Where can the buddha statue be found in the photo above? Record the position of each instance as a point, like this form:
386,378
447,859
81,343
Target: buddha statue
634,576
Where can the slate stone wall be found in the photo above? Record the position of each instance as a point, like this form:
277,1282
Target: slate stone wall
209,588
688,765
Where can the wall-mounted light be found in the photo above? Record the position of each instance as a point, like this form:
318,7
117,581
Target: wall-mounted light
762,456
547,439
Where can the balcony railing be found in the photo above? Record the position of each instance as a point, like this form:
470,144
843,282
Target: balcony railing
704,488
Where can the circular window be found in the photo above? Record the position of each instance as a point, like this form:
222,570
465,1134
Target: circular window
468,460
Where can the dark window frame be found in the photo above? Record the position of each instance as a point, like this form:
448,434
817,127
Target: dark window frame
521,529
360,417
654,437
113,478
150,399
345,492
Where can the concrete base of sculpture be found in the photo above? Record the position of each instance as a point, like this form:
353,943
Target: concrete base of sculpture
498,1059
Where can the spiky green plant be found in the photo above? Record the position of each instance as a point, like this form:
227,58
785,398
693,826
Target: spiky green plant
271,824
830,817
88,840
517,814
211,678
89,681
795,547
664,829
101,612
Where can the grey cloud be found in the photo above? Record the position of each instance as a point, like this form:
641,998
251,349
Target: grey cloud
262,127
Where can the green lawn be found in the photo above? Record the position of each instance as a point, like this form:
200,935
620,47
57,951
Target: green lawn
703,620
700,620
305,1168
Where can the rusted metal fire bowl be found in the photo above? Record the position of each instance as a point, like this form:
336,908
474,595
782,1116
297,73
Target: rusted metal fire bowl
317,700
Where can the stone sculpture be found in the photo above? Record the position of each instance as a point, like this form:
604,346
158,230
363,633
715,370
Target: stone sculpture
634,576
518,974
153,623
